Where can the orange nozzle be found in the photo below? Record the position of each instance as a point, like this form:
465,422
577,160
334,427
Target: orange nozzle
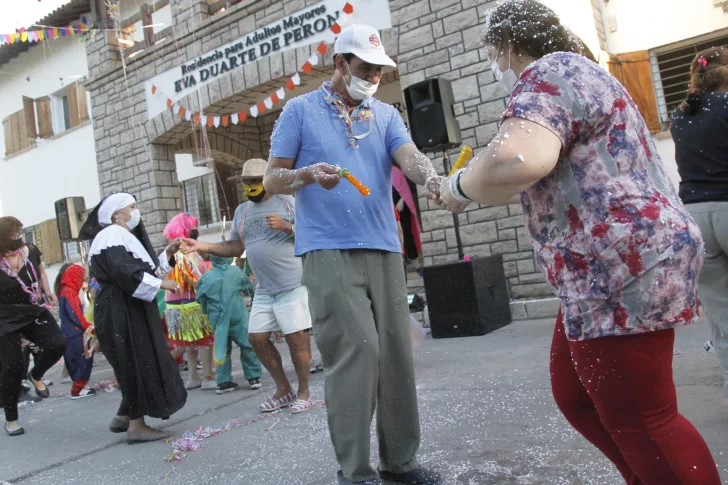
363,189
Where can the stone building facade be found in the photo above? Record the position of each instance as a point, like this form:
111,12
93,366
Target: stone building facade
430,38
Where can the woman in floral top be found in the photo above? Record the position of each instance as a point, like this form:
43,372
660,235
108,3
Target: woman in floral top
609,232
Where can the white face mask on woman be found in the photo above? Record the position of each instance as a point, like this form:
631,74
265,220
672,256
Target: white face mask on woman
136,217
360,89
506,79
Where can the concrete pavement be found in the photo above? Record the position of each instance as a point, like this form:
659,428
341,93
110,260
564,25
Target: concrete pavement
486,410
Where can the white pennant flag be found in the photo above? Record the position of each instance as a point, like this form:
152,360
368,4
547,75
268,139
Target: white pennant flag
343,20
296,79
281,94
313,59
216,121
188,115
175,108
330,37
203,120
234,118
254,111
268,102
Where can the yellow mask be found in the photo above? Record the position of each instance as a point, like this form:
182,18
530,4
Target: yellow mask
253,190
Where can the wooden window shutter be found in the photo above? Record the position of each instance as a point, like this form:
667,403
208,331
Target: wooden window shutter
16,134
29,114
8,132
45,123
77,105
52,247
634,71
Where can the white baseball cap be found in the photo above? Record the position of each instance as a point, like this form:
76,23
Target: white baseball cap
364,42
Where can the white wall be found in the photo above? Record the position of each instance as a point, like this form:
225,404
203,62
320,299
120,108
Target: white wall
59,167
186,169
646,24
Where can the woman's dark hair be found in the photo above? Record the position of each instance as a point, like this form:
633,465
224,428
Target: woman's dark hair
57,283
533,29
708,72
8,227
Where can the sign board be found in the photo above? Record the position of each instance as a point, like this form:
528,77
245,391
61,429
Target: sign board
307,26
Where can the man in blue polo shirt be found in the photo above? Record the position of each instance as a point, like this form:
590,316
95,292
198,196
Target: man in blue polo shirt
352,265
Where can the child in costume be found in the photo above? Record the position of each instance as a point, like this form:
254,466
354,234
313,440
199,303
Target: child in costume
75,326
219,295
188,327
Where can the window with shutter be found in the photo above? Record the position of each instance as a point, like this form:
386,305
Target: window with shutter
77,104
634,71
45,118
17,130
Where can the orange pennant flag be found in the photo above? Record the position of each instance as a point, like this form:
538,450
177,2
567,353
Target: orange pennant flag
210,121
348,9
154,89
274,98
322,48
290,85
336,28
225,120
261,108
197,118
242,116
182,111
169,103
306,68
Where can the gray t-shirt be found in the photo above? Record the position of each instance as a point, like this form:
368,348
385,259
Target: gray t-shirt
270,252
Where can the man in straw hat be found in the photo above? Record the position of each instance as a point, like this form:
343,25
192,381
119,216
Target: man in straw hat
352,264
264,227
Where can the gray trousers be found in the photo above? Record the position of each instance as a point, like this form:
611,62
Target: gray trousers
712,218
358,302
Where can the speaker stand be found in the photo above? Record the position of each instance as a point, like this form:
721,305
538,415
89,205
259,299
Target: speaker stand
455,218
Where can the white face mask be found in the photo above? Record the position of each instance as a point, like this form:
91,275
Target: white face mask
136,217
359,89
506,79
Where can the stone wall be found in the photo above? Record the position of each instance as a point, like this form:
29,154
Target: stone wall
439,38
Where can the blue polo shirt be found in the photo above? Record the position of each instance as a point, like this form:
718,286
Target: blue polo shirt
310,130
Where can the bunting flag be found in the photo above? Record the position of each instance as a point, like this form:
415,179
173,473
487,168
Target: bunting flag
235,118
44,33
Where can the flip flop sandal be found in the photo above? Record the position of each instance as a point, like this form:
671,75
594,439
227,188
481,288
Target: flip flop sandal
272,404
302,405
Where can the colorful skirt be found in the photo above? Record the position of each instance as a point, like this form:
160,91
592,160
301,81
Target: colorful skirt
187,326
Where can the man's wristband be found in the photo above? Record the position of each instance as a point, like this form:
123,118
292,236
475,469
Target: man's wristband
456,190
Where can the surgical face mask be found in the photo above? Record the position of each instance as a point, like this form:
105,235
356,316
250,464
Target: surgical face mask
360,89
194,233
15,244
506,79
257,198
136,218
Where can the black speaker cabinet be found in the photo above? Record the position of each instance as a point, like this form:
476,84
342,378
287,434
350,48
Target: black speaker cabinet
431,115
70,216
467,298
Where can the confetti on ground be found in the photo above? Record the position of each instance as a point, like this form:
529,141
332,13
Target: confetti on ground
676,353
106,386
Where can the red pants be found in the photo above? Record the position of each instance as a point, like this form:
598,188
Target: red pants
619,394
77,387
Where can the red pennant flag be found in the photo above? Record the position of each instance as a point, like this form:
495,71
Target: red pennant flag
274,98
306,68
154,89
197,118
322,48
261,108
348,9
169,103
242,116
210,121
225,120
290,85
182,111
336,28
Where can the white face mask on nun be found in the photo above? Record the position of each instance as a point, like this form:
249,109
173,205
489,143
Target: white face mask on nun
507,79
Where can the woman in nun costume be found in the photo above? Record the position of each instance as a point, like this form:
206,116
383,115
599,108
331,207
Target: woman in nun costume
126,316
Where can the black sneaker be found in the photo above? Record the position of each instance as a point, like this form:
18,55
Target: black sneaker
255,383
226,387
416,476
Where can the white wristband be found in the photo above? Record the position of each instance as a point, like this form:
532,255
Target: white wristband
455,191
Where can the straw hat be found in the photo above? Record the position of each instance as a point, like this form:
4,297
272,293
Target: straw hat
252,169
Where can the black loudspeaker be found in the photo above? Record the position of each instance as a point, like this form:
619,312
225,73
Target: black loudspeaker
70,216
467,298
431,115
